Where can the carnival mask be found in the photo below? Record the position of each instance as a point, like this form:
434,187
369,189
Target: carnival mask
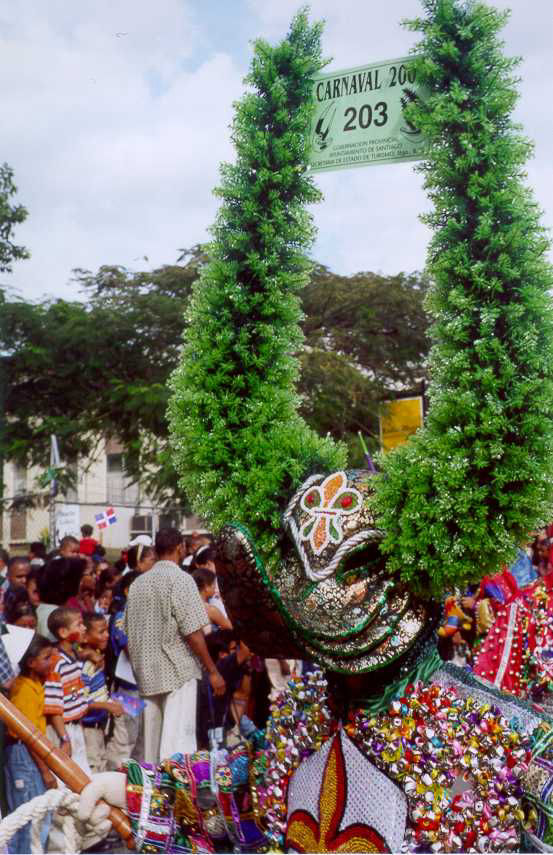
327,596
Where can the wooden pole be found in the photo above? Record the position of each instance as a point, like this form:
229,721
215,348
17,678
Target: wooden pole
61,765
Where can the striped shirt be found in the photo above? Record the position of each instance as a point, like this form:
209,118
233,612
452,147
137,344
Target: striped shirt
64,691
96,692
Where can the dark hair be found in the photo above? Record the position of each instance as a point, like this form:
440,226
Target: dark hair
37,645
17,605
119,595
34,574
38,549
68,539
109,574
60,619
167,540
120,565
92,617
99,551
86,530
219,642
17,559
4,556
203,577
60,580
202,555
137,553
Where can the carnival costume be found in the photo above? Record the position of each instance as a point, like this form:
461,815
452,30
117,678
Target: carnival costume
391,749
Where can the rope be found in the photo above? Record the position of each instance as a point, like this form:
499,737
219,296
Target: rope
34,811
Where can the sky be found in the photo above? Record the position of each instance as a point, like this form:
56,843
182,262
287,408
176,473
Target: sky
116,113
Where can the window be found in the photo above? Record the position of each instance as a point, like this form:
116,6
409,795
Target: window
72,493
18,518
19,480
18,525
141,525
119,490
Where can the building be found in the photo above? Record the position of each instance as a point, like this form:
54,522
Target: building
100,484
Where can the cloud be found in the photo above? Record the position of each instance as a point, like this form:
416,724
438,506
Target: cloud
115,119
369,219
115,140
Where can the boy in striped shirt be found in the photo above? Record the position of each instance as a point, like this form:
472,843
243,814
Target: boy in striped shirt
65,701
100,705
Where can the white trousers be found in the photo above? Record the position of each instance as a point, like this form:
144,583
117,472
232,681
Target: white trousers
170,723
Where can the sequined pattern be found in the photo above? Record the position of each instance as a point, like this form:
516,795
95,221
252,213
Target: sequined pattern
325,598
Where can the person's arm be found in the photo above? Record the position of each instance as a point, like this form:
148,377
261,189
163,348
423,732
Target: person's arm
189,612
48,777
58,724
113,707
86,653
53,709
243,654
216,616
196,641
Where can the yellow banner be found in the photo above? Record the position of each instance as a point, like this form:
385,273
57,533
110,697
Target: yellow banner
399,420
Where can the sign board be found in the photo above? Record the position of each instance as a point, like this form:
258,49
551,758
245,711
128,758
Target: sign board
68,521
359,116
400,419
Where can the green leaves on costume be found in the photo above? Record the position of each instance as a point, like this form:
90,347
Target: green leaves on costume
239,445
478,478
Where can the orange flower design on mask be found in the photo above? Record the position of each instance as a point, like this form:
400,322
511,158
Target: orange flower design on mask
326,505
305,834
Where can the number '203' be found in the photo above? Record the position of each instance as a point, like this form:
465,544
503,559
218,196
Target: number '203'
377,115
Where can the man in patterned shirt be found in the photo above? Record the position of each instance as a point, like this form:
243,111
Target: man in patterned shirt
163,621
6,670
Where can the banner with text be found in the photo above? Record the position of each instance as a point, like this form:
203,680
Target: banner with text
359,116
68,521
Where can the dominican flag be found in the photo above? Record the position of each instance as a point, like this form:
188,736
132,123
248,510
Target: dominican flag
106,518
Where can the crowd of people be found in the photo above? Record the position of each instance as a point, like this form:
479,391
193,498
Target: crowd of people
132,659
139,658
502,628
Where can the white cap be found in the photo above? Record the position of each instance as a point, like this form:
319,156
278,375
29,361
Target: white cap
144,539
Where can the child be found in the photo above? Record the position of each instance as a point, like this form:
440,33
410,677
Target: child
27,775
65,697
19,611
99,703
220,713
32,586
206,581
104,597
126,738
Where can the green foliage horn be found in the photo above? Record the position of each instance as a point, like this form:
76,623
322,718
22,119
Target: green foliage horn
478,478
239,444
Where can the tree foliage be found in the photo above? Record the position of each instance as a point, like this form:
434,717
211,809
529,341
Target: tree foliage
365,338
10,216
239,444
89,370
457,499
85,370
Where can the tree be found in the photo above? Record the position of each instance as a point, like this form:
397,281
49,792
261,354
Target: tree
85,371
101,367
238,442
478,478
10,216
365,338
